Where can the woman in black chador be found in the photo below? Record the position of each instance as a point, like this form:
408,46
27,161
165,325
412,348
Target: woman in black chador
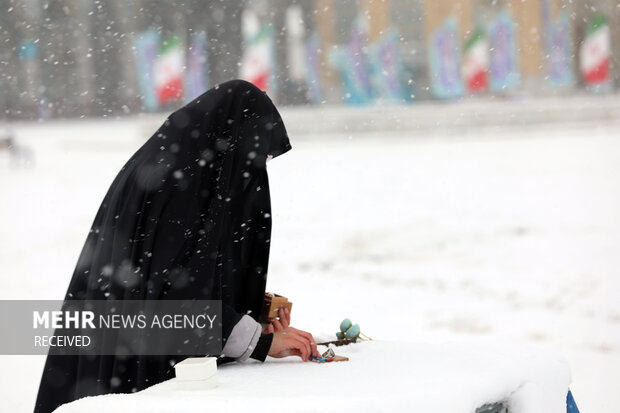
190,214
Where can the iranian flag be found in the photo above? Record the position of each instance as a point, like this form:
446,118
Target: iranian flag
476,62
258,61
595,52
169,71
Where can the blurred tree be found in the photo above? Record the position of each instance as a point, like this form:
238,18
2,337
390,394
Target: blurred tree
9,61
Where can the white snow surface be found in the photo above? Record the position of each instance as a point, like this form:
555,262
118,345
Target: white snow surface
380,376
500,241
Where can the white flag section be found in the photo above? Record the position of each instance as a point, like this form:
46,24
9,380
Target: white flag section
295,44
258,61
476,62
169,68
595,53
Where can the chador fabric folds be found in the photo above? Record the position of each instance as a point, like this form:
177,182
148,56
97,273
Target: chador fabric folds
187,217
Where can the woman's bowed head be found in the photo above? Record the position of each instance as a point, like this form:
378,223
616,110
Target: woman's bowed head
187,217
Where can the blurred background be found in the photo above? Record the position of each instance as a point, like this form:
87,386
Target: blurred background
455,172
79,58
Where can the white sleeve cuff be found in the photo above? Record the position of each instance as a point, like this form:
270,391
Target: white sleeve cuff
242,339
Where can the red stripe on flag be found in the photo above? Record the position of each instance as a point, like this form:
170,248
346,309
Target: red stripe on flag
478,82
172,91
599,74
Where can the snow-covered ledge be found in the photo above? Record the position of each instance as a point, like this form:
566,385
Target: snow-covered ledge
380,376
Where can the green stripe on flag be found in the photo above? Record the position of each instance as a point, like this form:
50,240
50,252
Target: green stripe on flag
475,37
172,42
596,23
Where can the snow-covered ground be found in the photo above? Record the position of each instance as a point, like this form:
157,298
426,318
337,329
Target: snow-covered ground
380,377
484,238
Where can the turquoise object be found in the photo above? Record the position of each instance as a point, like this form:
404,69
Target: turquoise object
345,324
340,335
318,359
352,332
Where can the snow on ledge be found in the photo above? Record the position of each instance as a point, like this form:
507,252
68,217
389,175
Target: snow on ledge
450,377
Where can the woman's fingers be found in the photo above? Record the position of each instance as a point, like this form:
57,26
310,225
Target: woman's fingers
302,347
311,341
285,317
298,343
290,341
304,339
277,325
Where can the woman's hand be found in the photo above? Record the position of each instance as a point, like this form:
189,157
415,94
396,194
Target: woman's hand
276,324
293,342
